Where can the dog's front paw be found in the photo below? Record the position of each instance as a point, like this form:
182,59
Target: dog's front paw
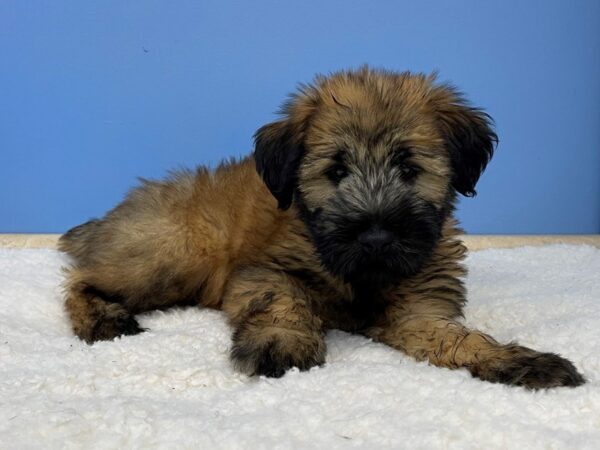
274,356
537,371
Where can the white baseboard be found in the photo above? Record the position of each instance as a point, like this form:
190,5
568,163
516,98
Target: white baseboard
473,242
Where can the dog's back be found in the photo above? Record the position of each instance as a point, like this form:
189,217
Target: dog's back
75,242
169,242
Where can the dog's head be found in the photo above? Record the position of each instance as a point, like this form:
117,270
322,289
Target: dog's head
373,160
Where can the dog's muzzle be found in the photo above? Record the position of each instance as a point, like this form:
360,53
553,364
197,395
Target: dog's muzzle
375,239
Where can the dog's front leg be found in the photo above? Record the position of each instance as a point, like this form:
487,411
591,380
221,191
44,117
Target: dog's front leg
274,326
447,343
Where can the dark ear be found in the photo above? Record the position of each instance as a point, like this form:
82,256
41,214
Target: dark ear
469,139
277,152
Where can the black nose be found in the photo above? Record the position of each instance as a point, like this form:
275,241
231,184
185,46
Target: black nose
375,238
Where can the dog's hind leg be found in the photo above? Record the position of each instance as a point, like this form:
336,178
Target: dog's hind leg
96,316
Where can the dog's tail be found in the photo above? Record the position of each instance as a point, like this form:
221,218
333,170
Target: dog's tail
77,239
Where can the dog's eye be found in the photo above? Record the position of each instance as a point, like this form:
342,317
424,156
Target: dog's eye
407,170
337,172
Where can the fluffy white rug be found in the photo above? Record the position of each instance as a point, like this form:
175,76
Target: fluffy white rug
173,387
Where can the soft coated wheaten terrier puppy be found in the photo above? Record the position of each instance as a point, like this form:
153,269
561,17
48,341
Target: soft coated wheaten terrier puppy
342,218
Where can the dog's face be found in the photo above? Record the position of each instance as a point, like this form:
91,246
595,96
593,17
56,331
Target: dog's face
373,160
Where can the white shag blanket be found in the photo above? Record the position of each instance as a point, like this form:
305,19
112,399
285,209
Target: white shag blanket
173,386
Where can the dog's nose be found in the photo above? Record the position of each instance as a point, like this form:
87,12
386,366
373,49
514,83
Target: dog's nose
375,238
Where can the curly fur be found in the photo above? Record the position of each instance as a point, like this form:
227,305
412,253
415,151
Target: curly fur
342,218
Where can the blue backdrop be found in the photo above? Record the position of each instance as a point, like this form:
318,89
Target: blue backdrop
93,94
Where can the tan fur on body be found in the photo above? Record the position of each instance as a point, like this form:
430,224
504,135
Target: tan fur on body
218,239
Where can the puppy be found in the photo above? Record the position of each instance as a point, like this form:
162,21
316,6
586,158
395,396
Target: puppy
343,218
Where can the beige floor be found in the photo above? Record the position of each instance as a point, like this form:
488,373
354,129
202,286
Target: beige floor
474,242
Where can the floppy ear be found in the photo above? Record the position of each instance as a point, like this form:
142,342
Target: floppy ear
469,139
277,152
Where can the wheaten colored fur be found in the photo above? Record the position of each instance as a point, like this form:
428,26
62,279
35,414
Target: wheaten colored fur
282,251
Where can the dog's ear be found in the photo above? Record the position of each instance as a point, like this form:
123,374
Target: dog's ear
278,150
469,138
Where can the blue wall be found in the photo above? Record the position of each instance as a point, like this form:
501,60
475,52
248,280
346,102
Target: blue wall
93,94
